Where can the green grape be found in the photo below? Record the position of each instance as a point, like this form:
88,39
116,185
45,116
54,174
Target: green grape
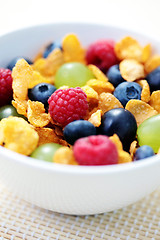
45,152
148,133
9,110
73,75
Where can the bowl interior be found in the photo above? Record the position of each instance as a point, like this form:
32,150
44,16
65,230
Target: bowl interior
27,42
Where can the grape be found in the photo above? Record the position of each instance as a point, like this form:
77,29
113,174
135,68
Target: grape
45,152
148,133
9,110
72,75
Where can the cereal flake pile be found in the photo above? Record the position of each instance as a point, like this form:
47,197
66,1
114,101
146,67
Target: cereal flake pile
101,101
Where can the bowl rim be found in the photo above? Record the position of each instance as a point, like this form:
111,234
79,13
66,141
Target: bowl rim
78,169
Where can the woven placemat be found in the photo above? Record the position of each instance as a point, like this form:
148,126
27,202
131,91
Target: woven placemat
21,220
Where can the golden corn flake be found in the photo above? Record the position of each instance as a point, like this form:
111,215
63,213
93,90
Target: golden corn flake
36,114
72,49
146,53
21,106
54,60
124,157
92,95
22,73
46,135
131,70
99,75
18,135
48,66
145,94
155,100
152,63
39,65
115,139
95,118
133,148
140,110
129,48
108,101
64,155
100,86
38,78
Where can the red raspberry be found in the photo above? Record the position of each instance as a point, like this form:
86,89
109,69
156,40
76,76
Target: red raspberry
6,92
101,54
95,150
68,105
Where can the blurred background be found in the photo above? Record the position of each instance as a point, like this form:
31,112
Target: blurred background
139,15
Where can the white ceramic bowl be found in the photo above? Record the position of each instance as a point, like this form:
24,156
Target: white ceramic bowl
73,189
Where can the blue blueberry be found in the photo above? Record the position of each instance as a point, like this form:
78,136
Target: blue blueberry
14,60
119,121
143,152
78,129
41,92
153,79
114,75
51,47
126,91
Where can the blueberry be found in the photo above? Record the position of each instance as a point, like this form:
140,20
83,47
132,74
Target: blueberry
13,62
114,75
153,79
41,92
126,91
51,47
78,129
119,121
143,152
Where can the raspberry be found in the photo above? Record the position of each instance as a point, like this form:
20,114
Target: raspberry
67,105
95,150
6,92
101,54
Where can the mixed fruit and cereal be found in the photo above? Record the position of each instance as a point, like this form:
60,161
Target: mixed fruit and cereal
93,106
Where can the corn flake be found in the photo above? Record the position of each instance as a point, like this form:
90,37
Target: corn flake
131,70
145,94
72,49
21,74
99,75
140,110
21,106
48,66
64,155
146,52
129,48
92,95
133,148
46,135
124,157
36,114
100,86
155,100
38,78
18,135
108,101
152,63
95,118
115,139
